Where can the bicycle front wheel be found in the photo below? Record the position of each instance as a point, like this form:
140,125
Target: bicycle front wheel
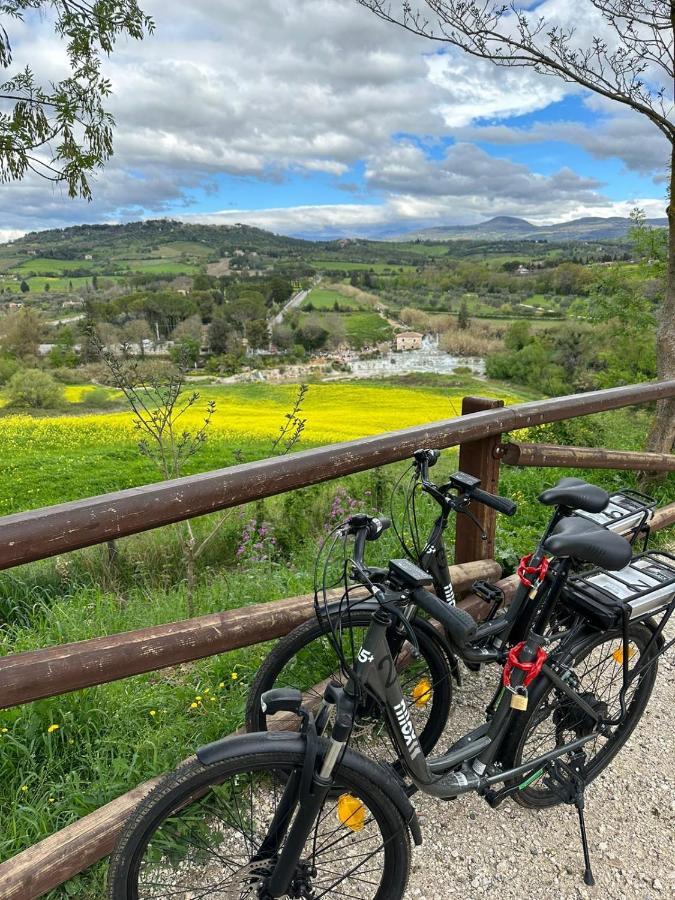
199,834
553,719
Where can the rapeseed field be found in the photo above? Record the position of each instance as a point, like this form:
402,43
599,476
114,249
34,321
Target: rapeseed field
54,458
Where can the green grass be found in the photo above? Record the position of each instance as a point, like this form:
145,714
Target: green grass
324,300
367,328
159,265
345,266
64,284
44,266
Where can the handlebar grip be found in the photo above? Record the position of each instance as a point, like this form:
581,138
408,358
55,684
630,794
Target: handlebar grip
459,625
501,504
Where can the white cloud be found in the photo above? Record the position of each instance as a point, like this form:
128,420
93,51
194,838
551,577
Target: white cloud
274,87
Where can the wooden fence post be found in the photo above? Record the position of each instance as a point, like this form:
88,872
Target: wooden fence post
478,458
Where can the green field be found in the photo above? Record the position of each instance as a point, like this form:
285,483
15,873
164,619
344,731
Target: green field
54,458
324,300
367,329
43,266
379,268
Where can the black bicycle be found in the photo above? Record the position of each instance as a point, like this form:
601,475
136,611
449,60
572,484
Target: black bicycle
306,658
302,815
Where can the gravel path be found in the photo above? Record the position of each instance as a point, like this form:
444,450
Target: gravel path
470,850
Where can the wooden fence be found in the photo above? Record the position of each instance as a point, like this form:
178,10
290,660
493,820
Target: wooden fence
43,533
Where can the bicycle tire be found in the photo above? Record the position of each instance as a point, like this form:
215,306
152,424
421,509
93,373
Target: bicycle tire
570,718
434,657
153,831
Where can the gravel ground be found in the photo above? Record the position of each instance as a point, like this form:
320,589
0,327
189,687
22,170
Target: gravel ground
470,849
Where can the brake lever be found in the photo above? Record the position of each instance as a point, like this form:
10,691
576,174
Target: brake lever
474,519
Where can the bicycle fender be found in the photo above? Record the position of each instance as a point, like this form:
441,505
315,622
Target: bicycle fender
243,744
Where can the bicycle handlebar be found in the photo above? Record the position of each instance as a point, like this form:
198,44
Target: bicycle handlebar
494,501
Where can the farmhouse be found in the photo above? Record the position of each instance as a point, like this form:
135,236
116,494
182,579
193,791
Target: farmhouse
408,340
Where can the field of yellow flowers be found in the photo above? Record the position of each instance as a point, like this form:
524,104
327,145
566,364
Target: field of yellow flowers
52,459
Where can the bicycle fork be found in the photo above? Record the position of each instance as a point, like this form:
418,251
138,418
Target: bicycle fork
305,793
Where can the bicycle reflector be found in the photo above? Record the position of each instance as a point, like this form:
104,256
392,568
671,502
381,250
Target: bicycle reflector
351,812
421,693
618,654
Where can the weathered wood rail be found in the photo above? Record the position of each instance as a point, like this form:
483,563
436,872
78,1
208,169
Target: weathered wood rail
42,533
547,455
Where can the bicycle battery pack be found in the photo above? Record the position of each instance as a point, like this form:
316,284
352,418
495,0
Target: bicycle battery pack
644,587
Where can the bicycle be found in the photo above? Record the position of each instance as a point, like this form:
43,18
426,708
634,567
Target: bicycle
302,815
306,658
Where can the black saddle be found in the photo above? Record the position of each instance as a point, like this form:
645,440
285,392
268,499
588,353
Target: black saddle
588,542
575,493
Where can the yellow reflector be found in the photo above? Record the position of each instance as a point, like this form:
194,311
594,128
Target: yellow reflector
618,654
351,812
421,693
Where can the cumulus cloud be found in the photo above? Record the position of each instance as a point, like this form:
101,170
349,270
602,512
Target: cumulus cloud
320,88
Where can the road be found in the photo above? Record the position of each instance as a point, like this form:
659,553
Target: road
294,302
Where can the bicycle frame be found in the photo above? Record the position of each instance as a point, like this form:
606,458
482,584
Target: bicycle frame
375,672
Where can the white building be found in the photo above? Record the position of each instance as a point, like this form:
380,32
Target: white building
408,340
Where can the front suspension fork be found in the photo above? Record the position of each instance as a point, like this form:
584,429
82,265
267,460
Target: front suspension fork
311,792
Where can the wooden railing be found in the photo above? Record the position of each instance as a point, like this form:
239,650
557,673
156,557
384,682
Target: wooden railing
42,533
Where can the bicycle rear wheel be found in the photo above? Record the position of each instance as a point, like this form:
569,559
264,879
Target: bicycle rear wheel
199,834
552,719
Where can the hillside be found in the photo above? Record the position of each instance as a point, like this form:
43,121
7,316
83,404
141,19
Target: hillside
138,238
590,228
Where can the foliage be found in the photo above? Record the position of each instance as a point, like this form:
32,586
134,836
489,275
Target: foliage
69,115
33,389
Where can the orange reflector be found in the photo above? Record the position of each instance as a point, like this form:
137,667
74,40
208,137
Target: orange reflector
618,654
351,812
421,693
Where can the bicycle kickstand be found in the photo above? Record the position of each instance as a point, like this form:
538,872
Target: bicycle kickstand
571,788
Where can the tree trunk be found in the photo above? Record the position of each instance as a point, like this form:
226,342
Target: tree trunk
662,435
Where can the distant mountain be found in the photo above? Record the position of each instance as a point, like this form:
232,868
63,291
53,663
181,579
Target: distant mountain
589,228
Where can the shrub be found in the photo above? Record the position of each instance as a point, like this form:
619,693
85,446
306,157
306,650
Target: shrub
33,389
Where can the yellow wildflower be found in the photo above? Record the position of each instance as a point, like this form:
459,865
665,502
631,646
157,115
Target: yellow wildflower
221,685
5,730
193,705
234,676
153,712
53,728
24,788
198,698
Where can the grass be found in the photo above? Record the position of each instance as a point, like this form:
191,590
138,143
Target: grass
367,329
324,300
159,265
339,265
38,265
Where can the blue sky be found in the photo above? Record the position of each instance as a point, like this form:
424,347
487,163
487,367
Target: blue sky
313,117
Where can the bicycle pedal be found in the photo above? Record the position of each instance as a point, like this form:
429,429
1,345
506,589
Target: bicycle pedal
490,593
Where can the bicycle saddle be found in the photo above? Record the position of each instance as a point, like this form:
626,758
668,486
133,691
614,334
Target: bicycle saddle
589,542
575,493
